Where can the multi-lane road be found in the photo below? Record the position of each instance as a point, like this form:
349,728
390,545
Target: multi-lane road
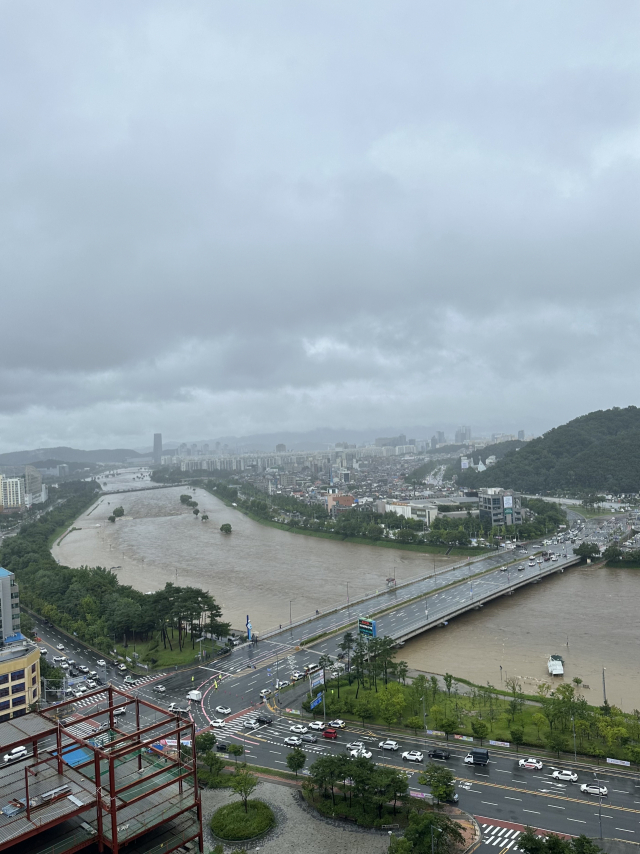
502,791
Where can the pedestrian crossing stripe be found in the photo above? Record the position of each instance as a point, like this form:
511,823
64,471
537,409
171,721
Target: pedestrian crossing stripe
493,835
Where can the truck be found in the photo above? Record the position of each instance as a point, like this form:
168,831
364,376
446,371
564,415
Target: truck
477,756
196,696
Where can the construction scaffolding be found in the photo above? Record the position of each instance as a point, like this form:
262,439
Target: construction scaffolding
96,779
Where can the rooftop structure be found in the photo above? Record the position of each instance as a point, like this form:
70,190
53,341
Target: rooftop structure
103,778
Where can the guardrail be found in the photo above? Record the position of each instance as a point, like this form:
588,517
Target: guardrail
435,619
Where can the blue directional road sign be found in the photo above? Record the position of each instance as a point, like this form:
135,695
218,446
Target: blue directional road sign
317,701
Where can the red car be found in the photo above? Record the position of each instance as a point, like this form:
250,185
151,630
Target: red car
330,733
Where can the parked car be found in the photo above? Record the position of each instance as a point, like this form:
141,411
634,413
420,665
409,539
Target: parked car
439,754
530,763
413,756
389,744
565,774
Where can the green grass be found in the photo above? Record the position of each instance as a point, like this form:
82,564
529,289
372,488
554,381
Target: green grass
154,654
232,824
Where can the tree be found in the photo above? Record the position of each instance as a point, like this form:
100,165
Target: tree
296,760
346,646
111,518
539,720
226,528
118,512
479,729
415,723
440,780
448,682
449,725
214,763
400,845
243,784
204,742
587,551
236,750
517,736
401,669
612,554
427,826
556,742
391,703
365,708
204,517
196,512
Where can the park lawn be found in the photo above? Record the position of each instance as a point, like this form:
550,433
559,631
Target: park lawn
154,649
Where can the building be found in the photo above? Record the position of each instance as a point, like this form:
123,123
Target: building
12,492
88,781
423,511
9,607
521,435
463,435
339,503
157,449
500,506
281,449
19,658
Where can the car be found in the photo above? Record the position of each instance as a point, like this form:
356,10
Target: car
264,719
64,665
223,710
360,753
565,774
216,723
265,692
60,646
521,567
316,725
120,710
413,756
355,745
308,738
58,658
504,569
300,728
252,724
91,684
293,740
122,667
280,685
296,675
337,724
44,650
130,680
175,709
101,662
222,747
16,754
389,744
594,789
83,668
330,732
439,754
159,689
531,763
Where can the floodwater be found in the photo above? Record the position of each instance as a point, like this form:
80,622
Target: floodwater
257,570
588,616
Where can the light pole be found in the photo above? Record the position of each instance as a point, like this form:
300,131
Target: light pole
573,723
290,623
595,775
604,687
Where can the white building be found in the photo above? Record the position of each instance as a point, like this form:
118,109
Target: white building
12,489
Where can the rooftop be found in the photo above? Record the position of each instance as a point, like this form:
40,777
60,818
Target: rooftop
4,572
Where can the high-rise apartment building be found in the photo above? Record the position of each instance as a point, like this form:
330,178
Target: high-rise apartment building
157,448
9,606
12,492
521,435
463,434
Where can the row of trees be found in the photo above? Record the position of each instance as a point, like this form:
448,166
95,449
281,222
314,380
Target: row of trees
91,601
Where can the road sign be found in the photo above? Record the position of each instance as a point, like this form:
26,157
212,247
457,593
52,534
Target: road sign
367,628
317,701
316,680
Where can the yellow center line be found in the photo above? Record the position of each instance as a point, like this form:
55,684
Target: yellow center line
555,795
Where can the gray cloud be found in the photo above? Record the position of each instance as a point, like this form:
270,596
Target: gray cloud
224,219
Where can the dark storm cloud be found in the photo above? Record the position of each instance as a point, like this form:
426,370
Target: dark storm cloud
222,217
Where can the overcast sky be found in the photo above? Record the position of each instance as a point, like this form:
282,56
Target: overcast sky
237,217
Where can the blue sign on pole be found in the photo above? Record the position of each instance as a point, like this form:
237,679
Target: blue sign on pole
317,701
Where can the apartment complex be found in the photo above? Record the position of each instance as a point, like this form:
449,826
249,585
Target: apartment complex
19,658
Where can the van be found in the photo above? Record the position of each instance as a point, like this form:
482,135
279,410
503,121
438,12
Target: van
195,696
477,756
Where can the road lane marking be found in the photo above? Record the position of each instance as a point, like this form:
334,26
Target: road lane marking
507,798
624,830
578,820
532,811
489,803
553,807
620,791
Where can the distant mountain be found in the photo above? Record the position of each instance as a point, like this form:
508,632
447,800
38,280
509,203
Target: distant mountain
598,452
68,455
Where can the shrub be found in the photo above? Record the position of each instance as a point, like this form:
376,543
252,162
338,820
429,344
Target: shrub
232,823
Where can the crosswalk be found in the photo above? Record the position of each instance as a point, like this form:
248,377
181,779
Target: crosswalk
103,695
505,837
274,734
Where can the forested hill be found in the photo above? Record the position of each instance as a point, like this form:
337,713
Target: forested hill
598,452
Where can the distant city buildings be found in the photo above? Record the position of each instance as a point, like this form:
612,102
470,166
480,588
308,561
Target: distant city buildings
463,435
12,490
281,449
521,435
157,449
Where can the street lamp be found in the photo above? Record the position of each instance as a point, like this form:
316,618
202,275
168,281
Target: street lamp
573,723
290,623
595,774
604,687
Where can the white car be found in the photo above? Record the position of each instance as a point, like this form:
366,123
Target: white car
122,667
44,650
388,745
531,763
594,789
64,665
60,646
265,692
251,724
571,776
216,723
15,754
296,675
337,724
91,684
316,725
159,689
120,710
413,756
299,728
83,668
360,753
293,740
355,745
101,662
223,710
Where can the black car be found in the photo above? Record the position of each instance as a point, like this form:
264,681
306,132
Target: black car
310,739
222,747
264,719
439,754
340,656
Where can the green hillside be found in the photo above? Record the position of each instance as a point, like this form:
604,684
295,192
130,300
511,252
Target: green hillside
598,452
